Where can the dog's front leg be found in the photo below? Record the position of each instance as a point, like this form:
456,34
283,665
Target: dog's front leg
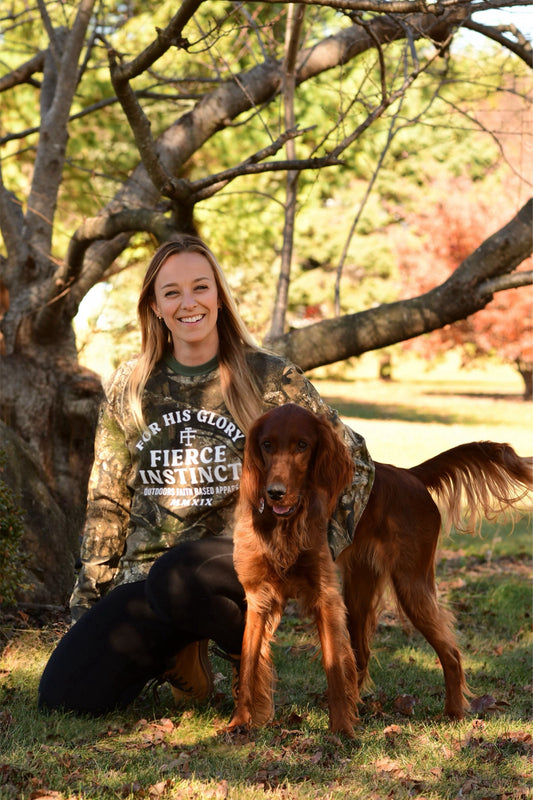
251,650
339,661
255,702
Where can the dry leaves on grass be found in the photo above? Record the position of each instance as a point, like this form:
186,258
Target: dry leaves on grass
163,790
486,703
508,743
389,768
405,704
392,733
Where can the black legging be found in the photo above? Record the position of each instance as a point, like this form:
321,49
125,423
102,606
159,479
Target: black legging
194,589
132,634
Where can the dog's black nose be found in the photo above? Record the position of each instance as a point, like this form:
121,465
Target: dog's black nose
276,491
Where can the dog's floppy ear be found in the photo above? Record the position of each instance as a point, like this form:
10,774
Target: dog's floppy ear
251,487
333,466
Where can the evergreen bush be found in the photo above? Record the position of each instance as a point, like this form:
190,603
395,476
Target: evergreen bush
11,531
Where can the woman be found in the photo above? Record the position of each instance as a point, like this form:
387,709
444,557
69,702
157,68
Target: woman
168,453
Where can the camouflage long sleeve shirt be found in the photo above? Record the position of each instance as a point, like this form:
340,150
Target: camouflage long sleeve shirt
178,479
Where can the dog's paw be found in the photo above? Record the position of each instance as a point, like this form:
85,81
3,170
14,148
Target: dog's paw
237,733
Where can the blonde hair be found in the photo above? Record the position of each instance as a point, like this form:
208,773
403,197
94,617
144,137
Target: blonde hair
239,389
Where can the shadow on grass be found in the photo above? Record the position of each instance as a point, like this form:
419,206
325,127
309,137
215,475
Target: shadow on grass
505,396
395,412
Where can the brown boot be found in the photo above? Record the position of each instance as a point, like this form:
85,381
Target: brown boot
191,677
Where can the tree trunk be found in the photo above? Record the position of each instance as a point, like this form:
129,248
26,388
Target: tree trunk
52,403
526,371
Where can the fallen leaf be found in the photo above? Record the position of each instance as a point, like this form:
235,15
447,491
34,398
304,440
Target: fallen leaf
391,732
130,788
295,719
468,787
405,704
181,763
159,789
222,790
473,735
164,724
479,705
521,740
386,766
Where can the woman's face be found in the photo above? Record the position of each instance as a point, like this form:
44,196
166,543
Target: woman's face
186,296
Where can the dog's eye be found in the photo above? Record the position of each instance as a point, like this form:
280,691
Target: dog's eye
302,445
267,445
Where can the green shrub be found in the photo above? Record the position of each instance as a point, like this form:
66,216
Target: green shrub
11,530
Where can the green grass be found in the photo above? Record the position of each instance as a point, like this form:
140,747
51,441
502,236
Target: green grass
154,750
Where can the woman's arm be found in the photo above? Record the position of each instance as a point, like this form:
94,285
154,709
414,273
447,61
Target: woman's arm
108,508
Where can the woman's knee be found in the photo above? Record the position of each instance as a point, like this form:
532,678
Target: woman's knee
195,587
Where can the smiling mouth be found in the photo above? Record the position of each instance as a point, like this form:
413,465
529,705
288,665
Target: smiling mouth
192,320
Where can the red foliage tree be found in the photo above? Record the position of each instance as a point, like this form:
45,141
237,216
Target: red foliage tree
433,247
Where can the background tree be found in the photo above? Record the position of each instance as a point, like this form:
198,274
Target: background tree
122,126
429,255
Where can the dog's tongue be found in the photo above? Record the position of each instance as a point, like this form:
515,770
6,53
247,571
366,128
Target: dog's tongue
282,510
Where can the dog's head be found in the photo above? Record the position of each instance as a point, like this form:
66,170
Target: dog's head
291,454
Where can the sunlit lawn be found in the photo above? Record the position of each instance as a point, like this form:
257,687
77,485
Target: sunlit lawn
426,411
404,746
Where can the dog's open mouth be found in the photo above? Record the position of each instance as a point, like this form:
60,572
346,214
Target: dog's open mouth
283,511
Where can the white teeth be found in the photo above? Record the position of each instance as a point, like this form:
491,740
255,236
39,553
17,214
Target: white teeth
192,319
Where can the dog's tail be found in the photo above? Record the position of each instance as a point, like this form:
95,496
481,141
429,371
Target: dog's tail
475,481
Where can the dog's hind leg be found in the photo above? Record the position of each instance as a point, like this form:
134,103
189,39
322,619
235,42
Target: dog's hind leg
417,596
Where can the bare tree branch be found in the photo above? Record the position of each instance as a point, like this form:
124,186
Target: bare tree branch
503,282
170,36
465,292
521,47
48,168
207,187
107,227
292,42
24,73
140,126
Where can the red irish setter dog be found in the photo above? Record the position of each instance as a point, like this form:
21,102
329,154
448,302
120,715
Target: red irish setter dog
294,469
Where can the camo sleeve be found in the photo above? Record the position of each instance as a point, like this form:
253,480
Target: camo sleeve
108,505
294,387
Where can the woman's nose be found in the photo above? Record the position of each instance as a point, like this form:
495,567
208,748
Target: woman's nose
188,300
